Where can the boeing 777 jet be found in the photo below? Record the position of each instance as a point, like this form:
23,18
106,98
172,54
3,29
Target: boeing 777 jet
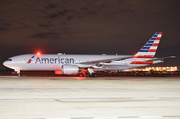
87,65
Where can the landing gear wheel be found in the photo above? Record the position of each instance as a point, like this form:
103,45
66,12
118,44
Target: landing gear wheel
91,75
95,76
81,75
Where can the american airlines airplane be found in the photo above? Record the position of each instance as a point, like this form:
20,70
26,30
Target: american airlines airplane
87,65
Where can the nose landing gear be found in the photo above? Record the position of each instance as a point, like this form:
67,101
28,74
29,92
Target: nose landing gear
17,72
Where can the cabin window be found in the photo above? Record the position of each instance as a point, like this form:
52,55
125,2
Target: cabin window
9,59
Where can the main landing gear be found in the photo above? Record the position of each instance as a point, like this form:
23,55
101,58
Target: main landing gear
91,76
88,75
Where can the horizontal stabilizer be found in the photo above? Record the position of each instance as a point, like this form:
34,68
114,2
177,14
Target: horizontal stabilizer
170,57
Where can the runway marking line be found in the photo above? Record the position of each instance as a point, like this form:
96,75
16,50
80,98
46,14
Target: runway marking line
116,117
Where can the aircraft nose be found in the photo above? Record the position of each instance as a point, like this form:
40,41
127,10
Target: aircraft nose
5,63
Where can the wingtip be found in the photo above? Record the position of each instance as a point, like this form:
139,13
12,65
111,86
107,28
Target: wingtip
173,57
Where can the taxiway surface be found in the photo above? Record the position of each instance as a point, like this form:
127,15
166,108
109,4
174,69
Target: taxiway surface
89,98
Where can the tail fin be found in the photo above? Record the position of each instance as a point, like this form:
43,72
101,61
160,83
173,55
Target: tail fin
149,49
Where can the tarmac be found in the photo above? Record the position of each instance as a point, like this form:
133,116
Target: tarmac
89,98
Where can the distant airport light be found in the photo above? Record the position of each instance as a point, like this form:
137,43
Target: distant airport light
175,68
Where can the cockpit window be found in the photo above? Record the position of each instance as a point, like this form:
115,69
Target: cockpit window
9,60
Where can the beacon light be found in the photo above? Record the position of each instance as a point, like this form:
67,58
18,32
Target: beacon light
38,53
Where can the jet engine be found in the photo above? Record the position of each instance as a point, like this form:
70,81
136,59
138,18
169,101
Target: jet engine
70,69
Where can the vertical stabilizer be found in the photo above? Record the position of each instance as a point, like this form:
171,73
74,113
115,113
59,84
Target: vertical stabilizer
149,49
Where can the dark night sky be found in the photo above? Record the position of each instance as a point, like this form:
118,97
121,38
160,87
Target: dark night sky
88,27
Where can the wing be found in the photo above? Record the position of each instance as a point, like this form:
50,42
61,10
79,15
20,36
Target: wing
105,60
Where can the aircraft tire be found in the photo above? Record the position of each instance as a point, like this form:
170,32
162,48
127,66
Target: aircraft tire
95,76
81,75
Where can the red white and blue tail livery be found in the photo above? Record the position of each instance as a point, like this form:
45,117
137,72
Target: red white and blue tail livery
149,49
87,65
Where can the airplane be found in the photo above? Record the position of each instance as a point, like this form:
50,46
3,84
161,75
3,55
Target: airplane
87,65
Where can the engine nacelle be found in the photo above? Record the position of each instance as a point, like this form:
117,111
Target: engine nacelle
70,69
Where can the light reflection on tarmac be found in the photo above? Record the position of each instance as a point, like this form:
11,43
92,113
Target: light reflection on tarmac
92,98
